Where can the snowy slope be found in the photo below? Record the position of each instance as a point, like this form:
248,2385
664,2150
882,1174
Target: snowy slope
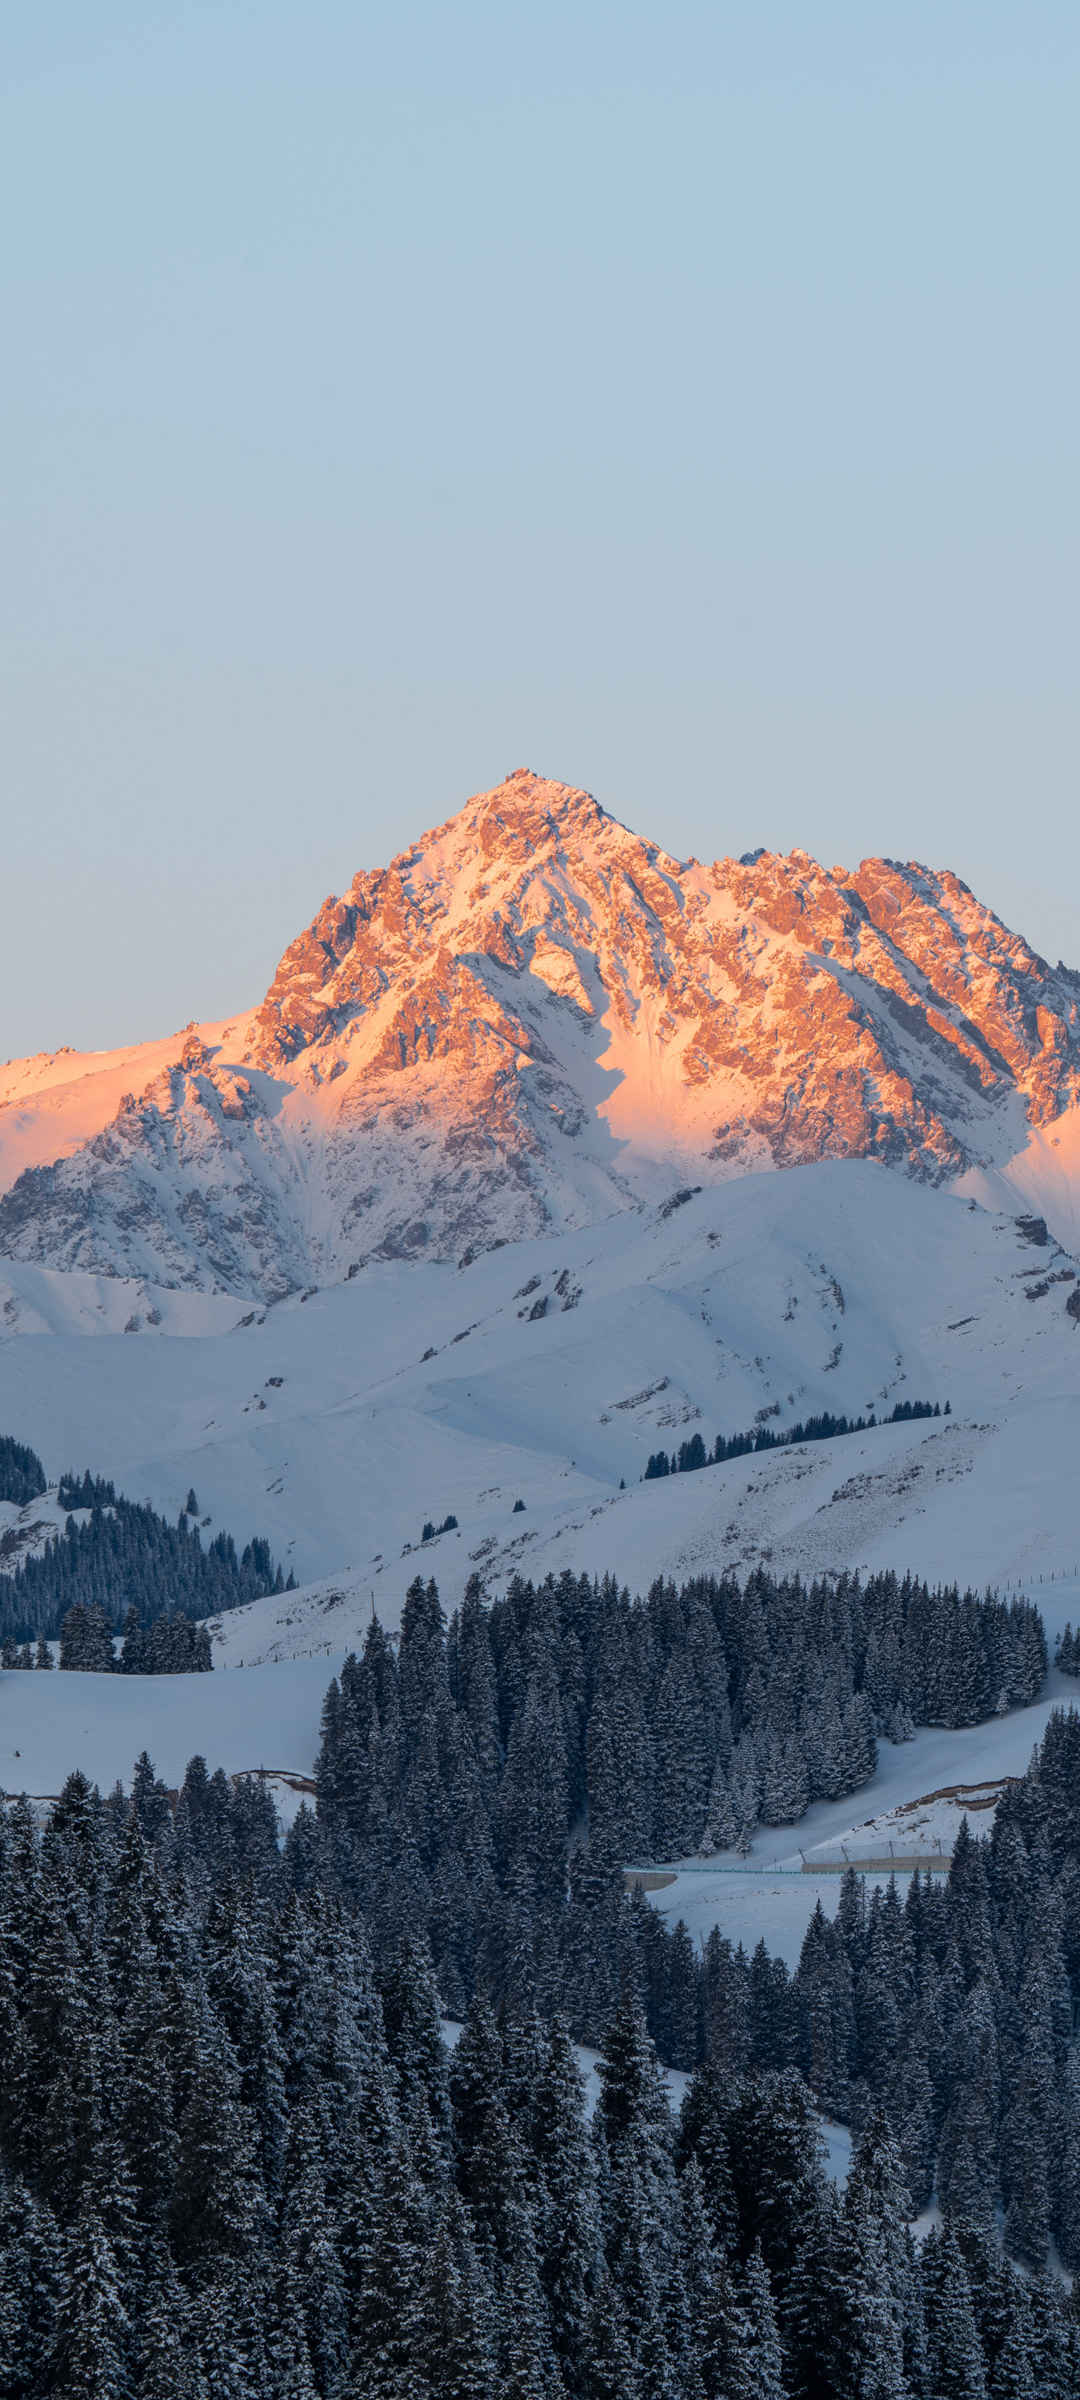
51,1724
52,1104
338,1424
36,1300
1043,1178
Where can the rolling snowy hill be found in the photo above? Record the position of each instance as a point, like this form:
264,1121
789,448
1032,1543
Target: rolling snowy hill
548,1371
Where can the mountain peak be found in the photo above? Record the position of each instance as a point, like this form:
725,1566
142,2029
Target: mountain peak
533,1016
525,809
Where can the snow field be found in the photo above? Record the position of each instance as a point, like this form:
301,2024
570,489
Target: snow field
337,1425
51,1724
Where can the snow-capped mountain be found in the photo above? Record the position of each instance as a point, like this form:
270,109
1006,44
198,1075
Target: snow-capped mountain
531,1020
473,1225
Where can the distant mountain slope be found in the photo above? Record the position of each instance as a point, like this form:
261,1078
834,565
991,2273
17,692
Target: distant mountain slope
530,1020
549,1370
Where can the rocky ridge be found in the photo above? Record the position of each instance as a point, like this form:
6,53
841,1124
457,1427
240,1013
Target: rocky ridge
533,1018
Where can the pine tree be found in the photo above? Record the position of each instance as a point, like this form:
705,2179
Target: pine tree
953,2347
216,2197
566,2211
490,2162
765,2348
633,2123
876,2207
149,1799
458,2317
389,2332
607,2367
533,1807
475,1691
30,2279
93,2338
825,2013
293,2371
166,2368
721,1824
410,2008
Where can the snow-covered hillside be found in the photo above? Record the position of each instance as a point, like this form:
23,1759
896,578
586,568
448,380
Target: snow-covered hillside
529,1020
547,1371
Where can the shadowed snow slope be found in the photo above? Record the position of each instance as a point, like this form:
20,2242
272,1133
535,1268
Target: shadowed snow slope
548,1370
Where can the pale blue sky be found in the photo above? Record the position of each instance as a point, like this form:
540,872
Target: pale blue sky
678,400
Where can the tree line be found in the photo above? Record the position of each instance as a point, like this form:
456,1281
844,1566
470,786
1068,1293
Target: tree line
695,1453
167,1646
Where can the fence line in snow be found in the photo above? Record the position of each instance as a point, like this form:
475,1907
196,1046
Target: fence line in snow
659,1879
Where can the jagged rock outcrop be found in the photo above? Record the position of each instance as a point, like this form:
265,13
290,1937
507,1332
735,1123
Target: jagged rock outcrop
531,1018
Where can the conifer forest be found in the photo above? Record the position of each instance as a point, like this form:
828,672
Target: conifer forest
116,1556
307,2120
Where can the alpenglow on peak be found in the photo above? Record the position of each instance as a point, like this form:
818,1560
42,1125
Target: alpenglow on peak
529,1018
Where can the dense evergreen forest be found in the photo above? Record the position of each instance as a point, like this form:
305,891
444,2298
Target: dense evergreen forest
238,2160
695,1453
488,1785
119,1555
957,2013
462,1762
22,1476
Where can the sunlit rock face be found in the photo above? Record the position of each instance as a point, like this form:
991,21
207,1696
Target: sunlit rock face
528,1020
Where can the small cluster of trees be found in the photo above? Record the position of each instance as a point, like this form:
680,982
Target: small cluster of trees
85,1491
167,1646
116,1555
25,1654
695,1453
449,1525
1067,1654
956,2012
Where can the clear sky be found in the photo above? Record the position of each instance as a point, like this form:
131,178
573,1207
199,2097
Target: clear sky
680,400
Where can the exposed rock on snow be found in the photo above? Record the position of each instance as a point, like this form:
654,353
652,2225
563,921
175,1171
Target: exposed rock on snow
531,1019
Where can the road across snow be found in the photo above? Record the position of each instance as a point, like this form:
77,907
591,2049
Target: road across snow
769,1896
